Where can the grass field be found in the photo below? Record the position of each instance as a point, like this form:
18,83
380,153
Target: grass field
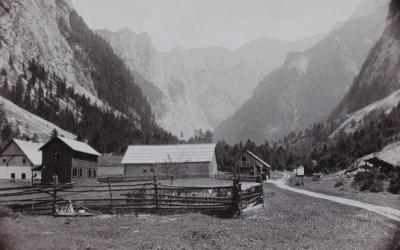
288,221
327,186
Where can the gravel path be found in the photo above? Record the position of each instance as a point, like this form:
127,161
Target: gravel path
388,212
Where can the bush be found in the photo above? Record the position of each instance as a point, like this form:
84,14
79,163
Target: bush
339,183
394,182
368,181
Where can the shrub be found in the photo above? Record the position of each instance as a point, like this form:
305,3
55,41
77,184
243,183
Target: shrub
368,180
394,182
339,183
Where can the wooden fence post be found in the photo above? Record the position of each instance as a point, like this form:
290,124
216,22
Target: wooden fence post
111,198
236,200
155,192
55,181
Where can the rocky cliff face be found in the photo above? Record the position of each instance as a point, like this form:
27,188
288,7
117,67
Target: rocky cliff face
377,87
380,75
310,84
198,88
54,66
29,30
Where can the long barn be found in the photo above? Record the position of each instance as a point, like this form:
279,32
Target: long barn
183,161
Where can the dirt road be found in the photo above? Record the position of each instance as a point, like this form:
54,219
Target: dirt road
388,212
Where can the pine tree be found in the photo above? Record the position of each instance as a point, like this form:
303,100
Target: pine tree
19,91
54,133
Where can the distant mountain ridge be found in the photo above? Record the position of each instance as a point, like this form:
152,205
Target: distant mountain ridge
199,87
309,85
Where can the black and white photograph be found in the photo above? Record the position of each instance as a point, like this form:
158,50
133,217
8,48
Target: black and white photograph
199,124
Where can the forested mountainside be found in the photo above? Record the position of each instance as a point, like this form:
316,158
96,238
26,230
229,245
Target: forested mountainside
324,147
193,89
310,84
54,66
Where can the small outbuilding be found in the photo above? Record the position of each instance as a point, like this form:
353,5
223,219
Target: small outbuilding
180,161
20,160
71,160
253,166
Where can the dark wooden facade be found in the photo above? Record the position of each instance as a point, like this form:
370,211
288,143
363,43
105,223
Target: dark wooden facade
252,165
69,165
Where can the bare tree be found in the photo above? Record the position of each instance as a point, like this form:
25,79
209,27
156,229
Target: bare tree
171,169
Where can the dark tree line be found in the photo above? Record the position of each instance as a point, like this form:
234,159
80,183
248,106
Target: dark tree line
48,96
316,151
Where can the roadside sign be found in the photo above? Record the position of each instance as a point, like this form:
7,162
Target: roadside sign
300,171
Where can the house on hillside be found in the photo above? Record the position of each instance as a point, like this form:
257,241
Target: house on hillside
181,161
70,160
20,160
251,165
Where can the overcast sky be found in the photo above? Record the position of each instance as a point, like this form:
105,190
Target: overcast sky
226,23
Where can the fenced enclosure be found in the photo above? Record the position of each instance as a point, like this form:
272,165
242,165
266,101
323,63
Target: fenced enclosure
122,198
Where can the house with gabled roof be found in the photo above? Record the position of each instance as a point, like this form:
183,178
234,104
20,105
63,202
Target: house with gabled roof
71,160
181,161
20,160
253,166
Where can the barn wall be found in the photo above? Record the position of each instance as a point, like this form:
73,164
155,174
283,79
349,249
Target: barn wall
193,170
213,167
5,172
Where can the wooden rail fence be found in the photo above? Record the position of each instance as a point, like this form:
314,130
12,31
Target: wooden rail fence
111,198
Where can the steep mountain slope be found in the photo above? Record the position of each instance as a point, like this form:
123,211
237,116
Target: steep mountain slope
310,84
53,65
380,74
199,87
29,124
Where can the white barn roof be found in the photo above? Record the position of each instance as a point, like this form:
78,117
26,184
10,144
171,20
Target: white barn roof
182,153
31,151
79,146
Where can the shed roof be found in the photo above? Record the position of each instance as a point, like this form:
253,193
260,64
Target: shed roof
258,159
150,154
79,146
31,150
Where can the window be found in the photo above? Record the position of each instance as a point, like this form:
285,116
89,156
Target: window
80,172
74,172
56,155
89,173
152,170
13,176
23,160
144,170
4,160
23,176
244,158
94,173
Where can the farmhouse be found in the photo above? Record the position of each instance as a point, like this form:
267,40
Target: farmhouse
70,160
20,160
184,160
252,165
